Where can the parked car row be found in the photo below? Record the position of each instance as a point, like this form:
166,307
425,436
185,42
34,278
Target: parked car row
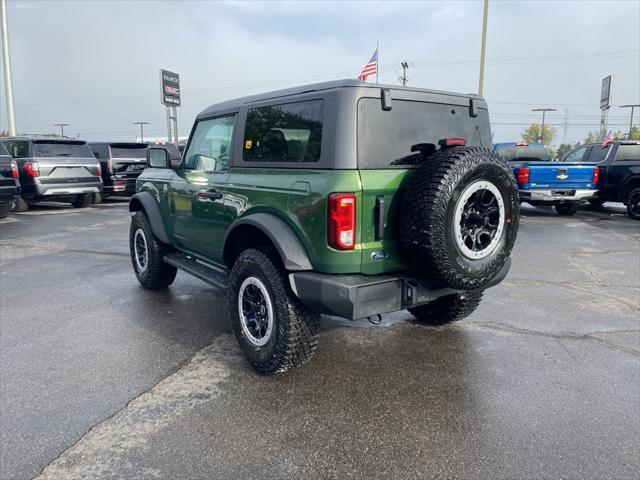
36,169
594,173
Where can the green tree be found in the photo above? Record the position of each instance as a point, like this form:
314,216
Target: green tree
593,137
565,148
532,134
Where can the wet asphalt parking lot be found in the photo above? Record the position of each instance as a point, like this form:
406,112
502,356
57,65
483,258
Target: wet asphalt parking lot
102,379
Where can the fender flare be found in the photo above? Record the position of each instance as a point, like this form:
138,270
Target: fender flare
293,254
145,201
629,184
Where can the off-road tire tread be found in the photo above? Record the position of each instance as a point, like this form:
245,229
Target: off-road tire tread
423,215
447,309
298,325
159,274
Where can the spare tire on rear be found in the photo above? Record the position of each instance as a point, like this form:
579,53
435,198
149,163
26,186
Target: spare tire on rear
459,217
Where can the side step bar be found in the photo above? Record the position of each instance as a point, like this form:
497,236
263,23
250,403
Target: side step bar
207,273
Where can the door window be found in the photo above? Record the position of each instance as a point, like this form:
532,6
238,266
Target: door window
210,145
628,153
598,153
577,155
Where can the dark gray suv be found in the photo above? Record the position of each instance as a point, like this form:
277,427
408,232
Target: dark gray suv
54,170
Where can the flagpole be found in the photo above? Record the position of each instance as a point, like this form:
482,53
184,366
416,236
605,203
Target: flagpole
377,60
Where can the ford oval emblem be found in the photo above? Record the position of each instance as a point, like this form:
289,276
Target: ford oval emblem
378,255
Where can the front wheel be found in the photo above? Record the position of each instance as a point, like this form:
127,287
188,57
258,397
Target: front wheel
447,309
274,329
633,204
147,255
567,208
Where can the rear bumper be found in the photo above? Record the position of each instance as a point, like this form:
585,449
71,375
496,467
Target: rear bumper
557,195
358,296
63,191
120,186
50,190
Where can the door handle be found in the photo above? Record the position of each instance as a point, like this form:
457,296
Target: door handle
204,195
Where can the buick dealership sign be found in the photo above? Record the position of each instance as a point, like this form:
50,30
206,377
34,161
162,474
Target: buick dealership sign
170,85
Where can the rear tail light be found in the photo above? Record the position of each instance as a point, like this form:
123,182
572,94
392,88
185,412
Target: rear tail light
596,175
523,175
522,144
32,169
342,221
98,169
109,166
14,169
452,142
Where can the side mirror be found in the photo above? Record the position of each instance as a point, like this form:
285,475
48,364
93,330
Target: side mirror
158,158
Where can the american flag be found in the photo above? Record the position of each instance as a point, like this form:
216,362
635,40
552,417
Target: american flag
370,68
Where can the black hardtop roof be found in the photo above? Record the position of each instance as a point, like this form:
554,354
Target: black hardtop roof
42,139
317,87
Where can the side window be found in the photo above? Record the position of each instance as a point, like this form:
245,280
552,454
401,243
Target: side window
210,145
577,155
598,153
284,133
18,149
627,153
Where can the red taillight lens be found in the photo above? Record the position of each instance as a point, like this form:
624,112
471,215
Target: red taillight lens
522,144
98,169
452,142
596,175
32,168
523,175
109,166
342,221
14,169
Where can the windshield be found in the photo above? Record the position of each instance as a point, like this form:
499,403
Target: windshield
62,149
132,151
524,153
386,137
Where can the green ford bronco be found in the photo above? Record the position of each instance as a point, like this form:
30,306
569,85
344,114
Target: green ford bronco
343,198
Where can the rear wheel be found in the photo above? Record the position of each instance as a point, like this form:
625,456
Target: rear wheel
447,309
5,208
274,329
459,217
82,201
147,255
21,204
567,208
633,204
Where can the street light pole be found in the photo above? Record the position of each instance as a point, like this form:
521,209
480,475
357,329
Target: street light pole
483,46
6,63
632,107
543,110
61,125
142,124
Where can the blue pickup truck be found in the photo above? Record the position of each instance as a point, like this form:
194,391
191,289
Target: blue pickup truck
542,181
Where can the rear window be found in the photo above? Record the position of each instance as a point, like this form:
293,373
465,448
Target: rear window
529,153
62,149
386,137
133,151
284,133
628,153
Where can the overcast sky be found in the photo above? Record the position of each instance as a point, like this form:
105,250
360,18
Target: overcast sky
95,64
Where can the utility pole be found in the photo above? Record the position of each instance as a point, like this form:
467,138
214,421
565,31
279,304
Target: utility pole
484,46
565,126
61,125
403,78
142,124
543,110
632,107
6,63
